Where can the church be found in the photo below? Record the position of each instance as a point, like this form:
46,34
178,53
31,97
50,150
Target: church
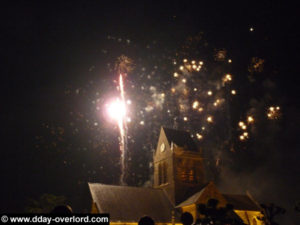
179,186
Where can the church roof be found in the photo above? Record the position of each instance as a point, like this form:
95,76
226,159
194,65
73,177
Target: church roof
129,204
241,202
180,138
193,199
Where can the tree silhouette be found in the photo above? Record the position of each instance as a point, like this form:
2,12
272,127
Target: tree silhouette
270,211
212,214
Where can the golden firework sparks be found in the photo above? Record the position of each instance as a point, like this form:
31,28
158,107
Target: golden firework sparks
227,78
195,104
241,123
199,136
250,119
209,119
274,112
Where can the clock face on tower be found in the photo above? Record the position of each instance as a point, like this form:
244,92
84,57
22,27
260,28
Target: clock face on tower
162,147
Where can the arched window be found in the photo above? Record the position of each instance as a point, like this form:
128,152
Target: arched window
191,177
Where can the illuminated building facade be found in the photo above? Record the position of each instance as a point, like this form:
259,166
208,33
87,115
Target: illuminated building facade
179,186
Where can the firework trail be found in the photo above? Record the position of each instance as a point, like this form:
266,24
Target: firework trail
123,132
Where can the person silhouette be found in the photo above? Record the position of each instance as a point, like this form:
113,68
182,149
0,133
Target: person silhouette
186,218
62,209
146,220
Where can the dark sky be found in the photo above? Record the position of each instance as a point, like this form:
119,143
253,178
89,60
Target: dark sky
47,46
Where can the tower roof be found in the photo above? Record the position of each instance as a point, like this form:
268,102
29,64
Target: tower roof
180,138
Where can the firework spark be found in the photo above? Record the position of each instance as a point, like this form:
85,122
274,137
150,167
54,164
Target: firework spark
273,112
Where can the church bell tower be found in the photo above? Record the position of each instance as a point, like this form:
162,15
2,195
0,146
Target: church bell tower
178,165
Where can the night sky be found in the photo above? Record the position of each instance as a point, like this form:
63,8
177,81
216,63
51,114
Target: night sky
58,75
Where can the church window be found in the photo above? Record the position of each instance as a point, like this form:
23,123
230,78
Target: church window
191,175
183,174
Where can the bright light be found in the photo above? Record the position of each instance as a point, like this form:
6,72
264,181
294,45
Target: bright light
274,112
209,93
227,78
217,102
233,92
209,119
250,119
199,136
116,110
195,104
